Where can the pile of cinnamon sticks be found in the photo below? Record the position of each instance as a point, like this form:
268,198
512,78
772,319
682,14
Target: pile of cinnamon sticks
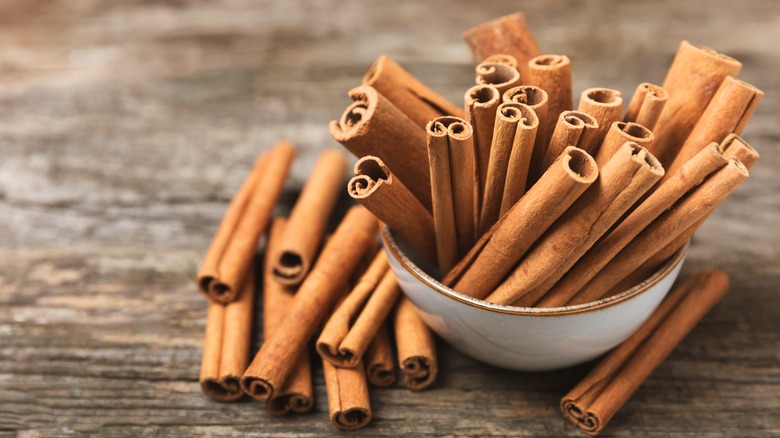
342,281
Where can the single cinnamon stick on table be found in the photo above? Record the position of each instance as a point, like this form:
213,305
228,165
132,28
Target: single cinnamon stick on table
407,93
226,345
500,75
416,347
499,250
296,395
619,133
622,181
505,35
594,401
308,219
378,360
552,73
327,280
603,104
646,105
536,98
387,198
692,79
572,129
374,126
482,102
670,191
348,402
229,257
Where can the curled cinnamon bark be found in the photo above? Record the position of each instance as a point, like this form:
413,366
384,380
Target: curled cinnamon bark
536,98
380,367
416,347
552,73
603,104
646,105
500,75
509,34
482,102
502,58
572,129
619,133
348,402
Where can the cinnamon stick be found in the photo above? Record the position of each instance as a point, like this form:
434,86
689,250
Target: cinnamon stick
296,394
622,181
552,73
690,175
356,321
482,102
348,402
500,75
603,104
510,161
308,219
378,360
594,401
695,206
407,93
229,257
502,58
536,98
226,345
646,105
499,250
509,35
729,111
342,253
572,129
416,347
372,125
619,133
692,79
386,197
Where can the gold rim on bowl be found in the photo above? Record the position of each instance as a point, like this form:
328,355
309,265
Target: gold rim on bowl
392,246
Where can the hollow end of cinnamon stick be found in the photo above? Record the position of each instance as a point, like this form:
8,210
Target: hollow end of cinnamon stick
577,119
352,419
587,422
419,372
606,97
527,94
734,146
290,267
455,127
257,387
224,390
483,96
502,76
502,58
634,131
380,376
354,119
217,290
371,173
284,404
545,62
579,164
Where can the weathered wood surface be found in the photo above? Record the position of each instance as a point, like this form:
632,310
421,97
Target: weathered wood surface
126,126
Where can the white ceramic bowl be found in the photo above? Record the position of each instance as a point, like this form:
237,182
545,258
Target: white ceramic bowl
524,338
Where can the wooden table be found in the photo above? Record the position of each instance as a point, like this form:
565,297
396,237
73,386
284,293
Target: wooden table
125,128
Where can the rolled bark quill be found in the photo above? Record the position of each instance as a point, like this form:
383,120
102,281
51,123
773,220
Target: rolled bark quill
619,133
308,219
594,401
536,98
603,104
509,35
374,126
386,197
510,161
572,129
356,321
499,250
622,181
296,395
348,402
482,102
500,75
320,290
416,347
552,73
502,58
409,95
698,168
729,111
646,105
378,360
226,345
229,257
692,79
695,206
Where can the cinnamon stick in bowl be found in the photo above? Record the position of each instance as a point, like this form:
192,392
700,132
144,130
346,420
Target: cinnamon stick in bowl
619,133
229,257
552,73
500,75
646,105
573,128
509,35
536,98
416,347
481,103
603,104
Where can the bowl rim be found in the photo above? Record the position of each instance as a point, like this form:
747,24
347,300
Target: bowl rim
391,245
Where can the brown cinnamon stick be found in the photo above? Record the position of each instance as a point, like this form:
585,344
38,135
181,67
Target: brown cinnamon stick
622,181
619,133
229,257
695,206
407,93
552,73
416,347
594,401
226,345
296,395
322,287
374,126
646,105
692,79
378,360
505,35
502,58
482,102
708,160
348,402
500,75
308,219
603,104
499,250
387,198
510,161
536,98
729,111
572,129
